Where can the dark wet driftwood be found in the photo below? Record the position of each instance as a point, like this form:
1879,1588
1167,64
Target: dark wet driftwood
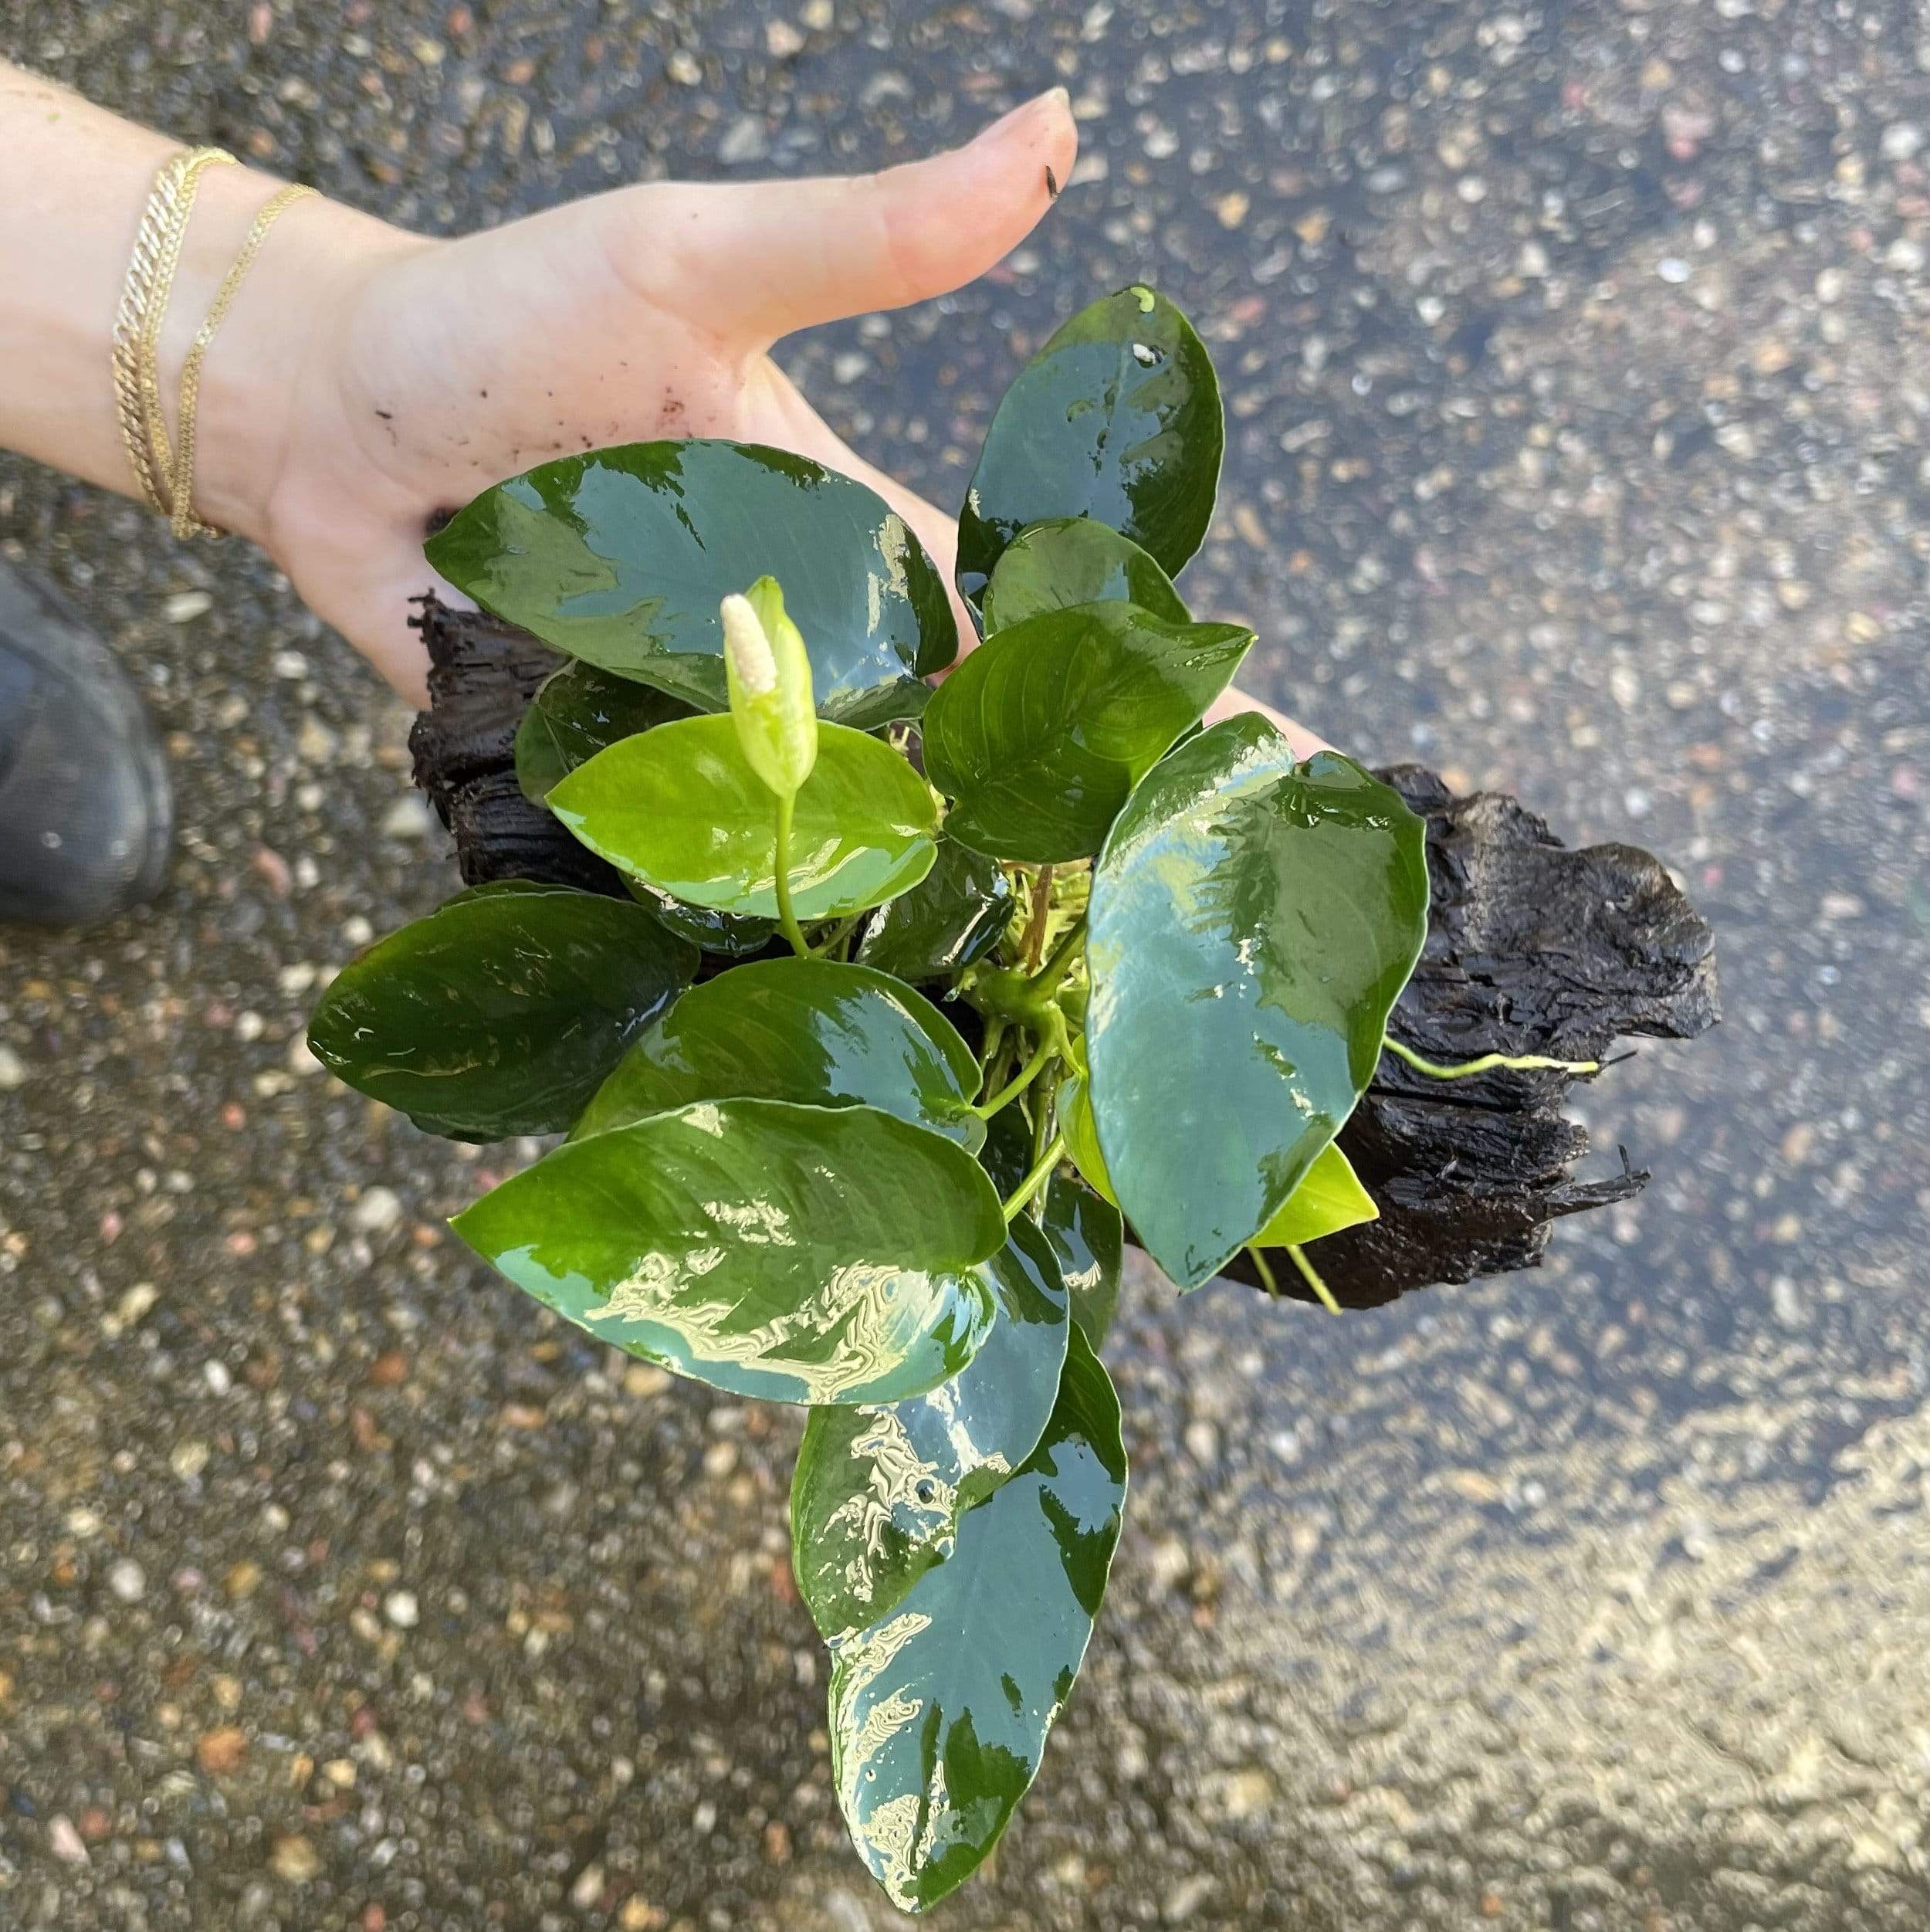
1532,948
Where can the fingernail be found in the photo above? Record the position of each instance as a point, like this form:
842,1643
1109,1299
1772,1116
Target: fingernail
1052,97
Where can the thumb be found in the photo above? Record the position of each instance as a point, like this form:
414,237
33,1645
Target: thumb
768,257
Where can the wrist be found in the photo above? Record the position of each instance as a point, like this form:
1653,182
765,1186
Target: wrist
265,362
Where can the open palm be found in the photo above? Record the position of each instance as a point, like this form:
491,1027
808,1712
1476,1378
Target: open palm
644,312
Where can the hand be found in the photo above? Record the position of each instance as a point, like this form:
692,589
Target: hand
426,371
433,369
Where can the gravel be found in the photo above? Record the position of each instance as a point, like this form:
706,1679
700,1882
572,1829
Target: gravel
1577,444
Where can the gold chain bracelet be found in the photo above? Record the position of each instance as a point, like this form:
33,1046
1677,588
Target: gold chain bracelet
143,303
164,473
186,523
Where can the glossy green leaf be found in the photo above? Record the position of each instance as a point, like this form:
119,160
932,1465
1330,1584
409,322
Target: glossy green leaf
1117,418
578,712
1082,1134
1252,922
1328,1200
940,1710
807,1030
1088,1237
622,556
877,1493
951,919
503,1011
1073,560
1084,1227
730,935
1040,735
681,809
796,1254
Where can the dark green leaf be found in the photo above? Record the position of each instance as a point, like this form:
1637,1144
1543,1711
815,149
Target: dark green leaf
1252,922
1329,1198
501,889
940,1709
1087,1236
807,1030
1117,419
878,1492
621,556
730,935
950,920
503,1011
797,1254
1007,1153
681,809
1042,732
1073,560
578,712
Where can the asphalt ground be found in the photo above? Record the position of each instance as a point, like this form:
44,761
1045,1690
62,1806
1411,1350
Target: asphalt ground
1576,364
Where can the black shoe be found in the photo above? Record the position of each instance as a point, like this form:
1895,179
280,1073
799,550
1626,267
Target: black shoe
87,819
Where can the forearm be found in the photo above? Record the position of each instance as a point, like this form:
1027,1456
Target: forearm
74,181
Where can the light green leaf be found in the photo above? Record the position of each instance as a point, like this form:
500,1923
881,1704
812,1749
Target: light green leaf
681,809
1330,1198
578,711
1082,1136
793,1253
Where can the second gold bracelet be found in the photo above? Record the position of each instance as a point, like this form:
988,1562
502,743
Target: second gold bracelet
186,523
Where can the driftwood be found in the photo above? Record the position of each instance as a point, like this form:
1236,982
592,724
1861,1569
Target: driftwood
1532,948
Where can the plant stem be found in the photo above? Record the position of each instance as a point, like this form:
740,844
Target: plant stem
994,1040
1264,1268
786,918
1047,976
1040,1174
1034,942
1046,1052
1044,1107
1311,1276
1521,1063
837,937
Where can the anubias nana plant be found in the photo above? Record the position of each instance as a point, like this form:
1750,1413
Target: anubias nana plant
866,1075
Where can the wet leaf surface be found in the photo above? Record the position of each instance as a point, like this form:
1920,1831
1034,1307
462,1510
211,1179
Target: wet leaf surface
681,809
621,556
1073,560
876,1496
503,1011
951,919
807,1030
578,712
1040,735
1252,922
940,1709
1117,419
793,1253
